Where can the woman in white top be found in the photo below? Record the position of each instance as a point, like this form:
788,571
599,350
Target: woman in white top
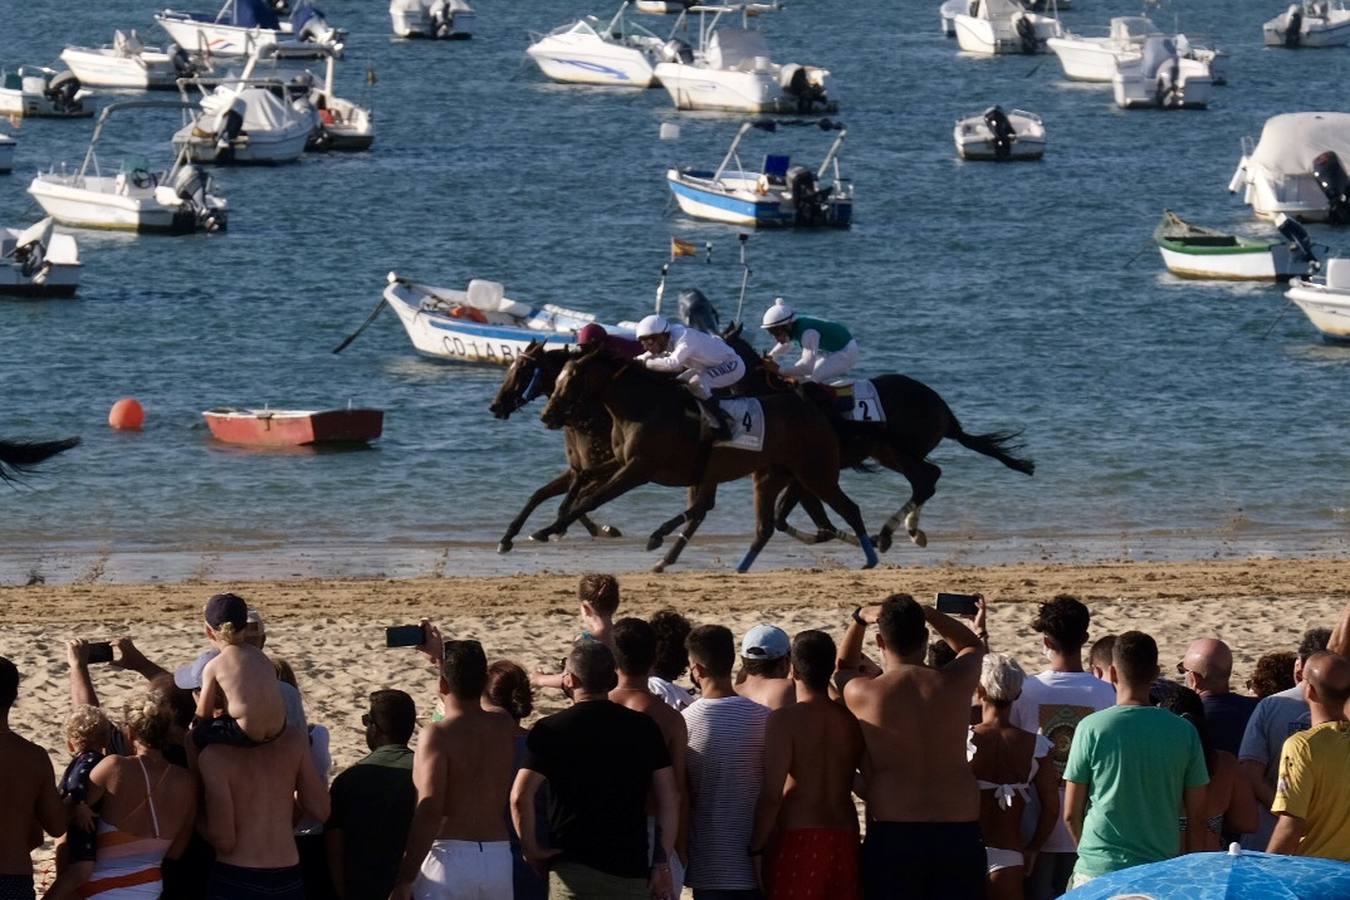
1006,762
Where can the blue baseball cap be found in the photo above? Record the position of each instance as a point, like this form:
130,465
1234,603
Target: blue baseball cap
766,642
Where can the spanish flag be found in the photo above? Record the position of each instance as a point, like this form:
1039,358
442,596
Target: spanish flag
680,248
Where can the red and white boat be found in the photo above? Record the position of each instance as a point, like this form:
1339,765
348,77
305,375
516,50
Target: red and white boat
294,427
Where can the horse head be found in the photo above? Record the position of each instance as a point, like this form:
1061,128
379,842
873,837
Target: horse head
576,383
525,380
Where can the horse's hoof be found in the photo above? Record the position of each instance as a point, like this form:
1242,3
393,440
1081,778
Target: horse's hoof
659,568
870,564
504,546
540,536
610,531
883,541
919,538
654,542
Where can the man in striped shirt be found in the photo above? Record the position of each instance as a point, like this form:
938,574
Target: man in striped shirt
726,766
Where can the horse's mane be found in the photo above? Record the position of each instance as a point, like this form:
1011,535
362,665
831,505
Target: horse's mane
635,370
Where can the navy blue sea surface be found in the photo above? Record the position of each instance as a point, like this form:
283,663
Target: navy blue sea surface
1156,409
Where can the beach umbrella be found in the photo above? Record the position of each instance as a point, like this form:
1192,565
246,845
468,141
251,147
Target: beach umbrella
1235,875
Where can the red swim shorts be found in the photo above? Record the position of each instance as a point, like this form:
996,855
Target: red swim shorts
814,864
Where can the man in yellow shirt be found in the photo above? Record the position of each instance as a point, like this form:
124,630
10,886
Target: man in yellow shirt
1312,797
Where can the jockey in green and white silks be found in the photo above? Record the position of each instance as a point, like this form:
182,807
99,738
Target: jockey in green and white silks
704,362
829,351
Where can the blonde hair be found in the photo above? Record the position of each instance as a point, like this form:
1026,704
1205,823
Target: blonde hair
88,729
149,719
227,634
1001,678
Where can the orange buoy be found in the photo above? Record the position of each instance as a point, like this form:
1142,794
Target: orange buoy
126,415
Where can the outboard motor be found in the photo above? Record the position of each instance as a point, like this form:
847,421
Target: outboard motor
441,19
182,63
61,90
1300,242
228,126
1026,33
1002,130
698,312
796,82
677,51
1331,178
31,255
190,185
809,202
308,24
1167,87
1293,26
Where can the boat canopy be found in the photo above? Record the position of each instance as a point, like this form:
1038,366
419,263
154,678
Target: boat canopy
254,14
263,110
1132,29
997,10
1158,52
1290,142
730,47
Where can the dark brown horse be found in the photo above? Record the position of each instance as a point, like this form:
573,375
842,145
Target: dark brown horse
19,458
656,439
917,420
585,441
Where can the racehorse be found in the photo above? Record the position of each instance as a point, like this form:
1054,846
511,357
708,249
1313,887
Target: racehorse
655,438
19,458
586,440
917,419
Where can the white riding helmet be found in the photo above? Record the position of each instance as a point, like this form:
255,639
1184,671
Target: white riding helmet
652,326
780,315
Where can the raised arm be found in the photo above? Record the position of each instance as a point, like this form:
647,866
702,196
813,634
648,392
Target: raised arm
133,660
953,631
1340,636
848,665
81,685
430,764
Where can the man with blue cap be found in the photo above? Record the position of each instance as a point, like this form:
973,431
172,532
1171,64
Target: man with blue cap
764,667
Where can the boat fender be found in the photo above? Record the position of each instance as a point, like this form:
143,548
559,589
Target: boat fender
61,90
1002,130
1026,33
677,51
1293,26
1335,184
468,313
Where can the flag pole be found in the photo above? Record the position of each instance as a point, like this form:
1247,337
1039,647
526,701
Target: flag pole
745,275
661,285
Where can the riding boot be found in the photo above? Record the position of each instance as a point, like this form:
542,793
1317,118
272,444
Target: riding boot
714,424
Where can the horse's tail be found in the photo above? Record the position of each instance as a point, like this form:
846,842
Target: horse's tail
20,457
1001,445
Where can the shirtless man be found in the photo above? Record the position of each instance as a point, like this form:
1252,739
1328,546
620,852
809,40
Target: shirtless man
764,662
805,820
634,644
923,835
241,682
250,798
458,842
29,804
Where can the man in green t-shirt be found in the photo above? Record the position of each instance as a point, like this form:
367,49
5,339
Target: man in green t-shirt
1132,769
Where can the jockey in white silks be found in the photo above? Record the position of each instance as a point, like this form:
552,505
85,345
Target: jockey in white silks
704,362
828,349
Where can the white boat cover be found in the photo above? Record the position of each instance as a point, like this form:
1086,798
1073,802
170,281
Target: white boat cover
1291,141
127,43
1158,52
729,47
1132,29
263,110
998,10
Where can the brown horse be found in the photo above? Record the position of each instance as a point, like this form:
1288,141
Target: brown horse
19,458
585,441
917,420
656,439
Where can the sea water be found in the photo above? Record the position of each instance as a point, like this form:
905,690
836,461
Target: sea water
1165,416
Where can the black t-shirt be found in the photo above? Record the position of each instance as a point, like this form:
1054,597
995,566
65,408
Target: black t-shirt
598,758
1227,715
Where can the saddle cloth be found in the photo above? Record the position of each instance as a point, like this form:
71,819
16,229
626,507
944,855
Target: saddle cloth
747,423
858,400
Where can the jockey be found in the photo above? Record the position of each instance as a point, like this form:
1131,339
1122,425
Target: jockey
592,334
702,361
828,349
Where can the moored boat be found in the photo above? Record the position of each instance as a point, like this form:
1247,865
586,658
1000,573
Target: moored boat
294,427
1193,251
244,121
480,324
1298,168
780,194
1160,78
587,51
1087,58
39,92
1325,300
7,147
995,27
999,136
243,26
447,20
38,262
127,63
1311,23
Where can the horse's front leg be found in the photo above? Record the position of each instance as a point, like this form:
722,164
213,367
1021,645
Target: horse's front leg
558,485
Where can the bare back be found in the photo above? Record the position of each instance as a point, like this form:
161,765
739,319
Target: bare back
914,724
478,751
248,681
125,804
1002,756
775,693
827,748
29,782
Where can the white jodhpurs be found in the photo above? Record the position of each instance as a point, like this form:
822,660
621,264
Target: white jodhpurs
702,383
465,870
835,365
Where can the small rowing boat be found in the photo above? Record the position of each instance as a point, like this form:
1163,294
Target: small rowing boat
1193,251
294,427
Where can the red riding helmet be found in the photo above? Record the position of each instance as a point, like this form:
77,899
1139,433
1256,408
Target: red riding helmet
591,334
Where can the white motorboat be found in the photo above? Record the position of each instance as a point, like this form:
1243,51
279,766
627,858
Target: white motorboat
948,12
1160,78
7,146
1094,58
999,136
38,262
662,7
128,63
780,194
619,54
731,69
37,91
449,20
1298,168
1325,300
480,324
136,198
248,125
243,26
1193,251
343,125
992,27
1312,23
